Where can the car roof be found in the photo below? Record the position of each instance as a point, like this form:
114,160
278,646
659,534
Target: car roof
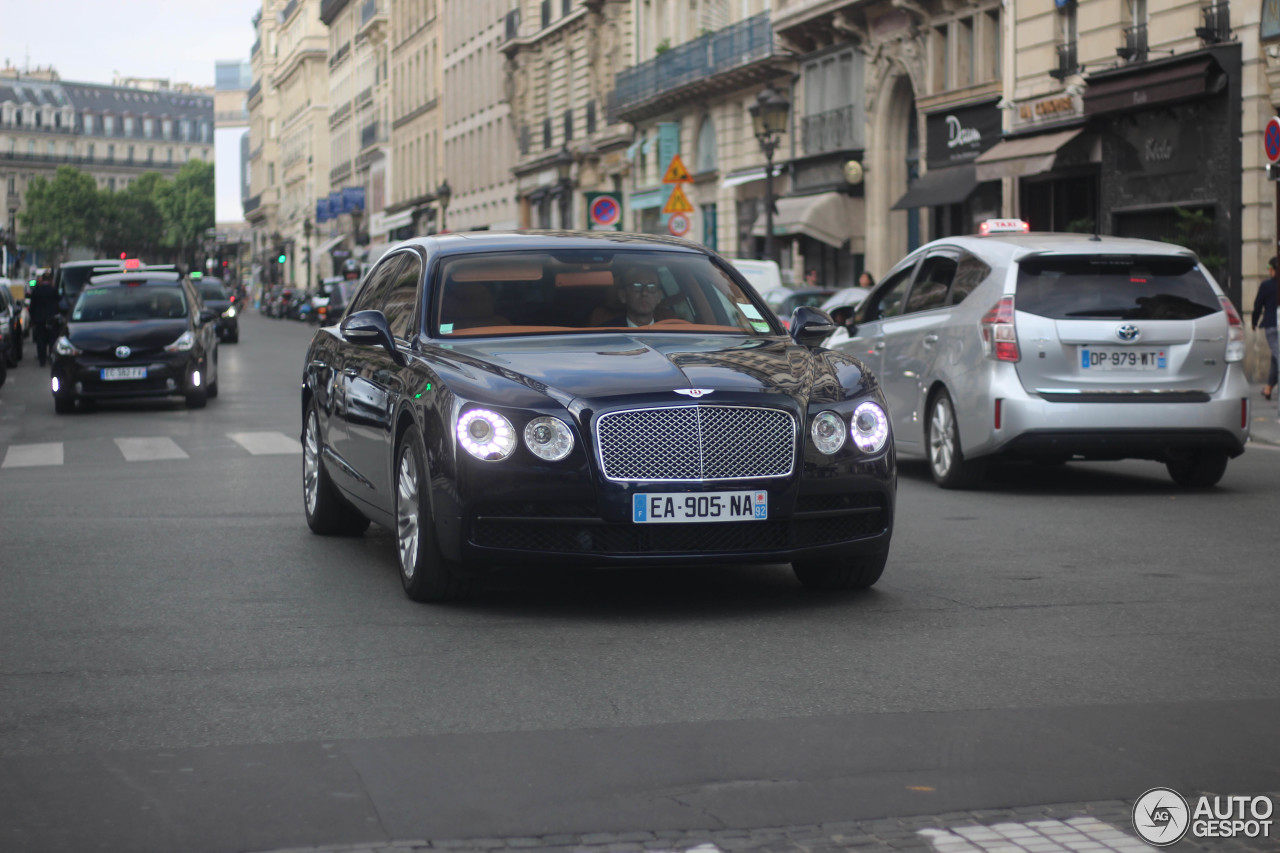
139,276
845,297
467,242
101,262
1013,247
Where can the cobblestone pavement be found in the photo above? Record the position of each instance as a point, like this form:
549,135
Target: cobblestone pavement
1095,827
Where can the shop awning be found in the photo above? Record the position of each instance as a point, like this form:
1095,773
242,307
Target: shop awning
330,243
832,218
1175,80
646,199
398,220
737,179
939,186
1029,155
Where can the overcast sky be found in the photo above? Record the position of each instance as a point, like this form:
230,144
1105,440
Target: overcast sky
91,40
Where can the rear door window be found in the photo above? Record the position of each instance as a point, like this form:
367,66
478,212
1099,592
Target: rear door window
970,273
1115,288
932,283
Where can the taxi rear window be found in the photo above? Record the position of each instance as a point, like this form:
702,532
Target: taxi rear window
1115,288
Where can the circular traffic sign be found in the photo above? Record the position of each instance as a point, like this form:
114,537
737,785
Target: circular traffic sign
1271,140
605,211
678,224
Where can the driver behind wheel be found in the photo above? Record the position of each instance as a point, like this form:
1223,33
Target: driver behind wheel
639,292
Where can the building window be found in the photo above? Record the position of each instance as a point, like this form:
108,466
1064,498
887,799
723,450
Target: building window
109,125
129,158
568,125
591,117
111,184
91,147
706,160
148,127
111,151
834,110
128,125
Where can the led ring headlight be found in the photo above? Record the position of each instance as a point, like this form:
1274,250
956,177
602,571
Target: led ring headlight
870,427
827,432
548,438
486,435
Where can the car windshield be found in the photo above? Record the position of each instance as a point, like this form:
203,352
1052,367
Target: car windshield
118,303
586,291
1115,288
212,290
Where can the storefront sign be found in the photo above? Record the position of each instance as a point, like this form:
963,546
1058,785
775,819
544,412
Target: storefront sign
959,135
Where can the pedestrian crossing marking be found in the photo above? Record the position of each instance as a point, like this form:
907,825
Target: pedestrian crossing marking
32,455
266,443
150,449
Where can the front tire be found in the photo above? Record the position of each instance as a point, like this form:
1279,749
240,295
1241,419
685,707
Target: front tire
1198,469
859,573
426,576
947,464
64,404
327,513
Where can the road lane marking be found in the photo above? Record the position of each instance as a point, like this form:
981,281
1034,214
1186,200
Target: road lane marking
32,455
150,449
266,443
1048,836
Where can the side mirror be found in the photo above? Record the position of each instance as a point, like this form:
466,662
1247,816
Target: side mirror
370,328
207,315
811,326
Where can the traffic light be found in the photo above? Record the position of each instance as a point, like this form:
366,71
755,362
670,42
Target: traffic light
282,258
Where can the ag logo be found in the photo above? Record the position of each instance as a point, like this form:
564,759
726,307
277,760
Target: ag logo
1161,817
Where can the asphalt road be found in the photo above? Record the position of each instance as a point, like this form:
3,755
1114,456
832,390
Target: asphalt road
186,667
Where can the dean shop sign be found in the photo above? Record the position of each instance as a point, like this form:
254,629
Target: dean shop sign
956,136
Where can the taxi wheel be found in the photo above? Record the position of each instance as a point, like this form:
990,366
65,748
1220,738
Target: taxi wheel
64,404
859,573
426,576
197,398
327,513
947,464
1198,469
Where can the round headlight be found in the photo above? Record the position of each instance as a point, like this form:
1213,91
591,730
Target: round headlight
827,432
486,435
870,427
548,438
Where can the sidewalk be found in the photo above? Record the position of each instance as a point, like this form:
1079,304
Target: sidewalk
1265,425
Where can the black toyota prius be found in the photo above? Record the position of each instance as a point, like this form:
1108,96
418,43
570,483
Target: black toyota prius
140,333
551,399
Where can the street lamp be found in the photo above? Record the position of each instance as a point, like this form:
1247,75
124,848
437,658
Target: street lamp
564,186
769,120
444,193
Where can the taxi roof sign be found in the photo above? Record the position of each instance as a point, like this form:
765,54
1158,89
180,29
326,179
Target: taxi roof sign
676,172
1003,226
133,264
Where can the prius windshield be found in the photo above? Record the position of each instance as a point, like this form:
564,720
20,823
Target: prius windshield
128,303
564,292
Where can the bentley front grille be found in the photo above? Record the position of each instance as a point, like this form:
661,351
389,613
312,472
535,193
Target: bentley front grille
681,443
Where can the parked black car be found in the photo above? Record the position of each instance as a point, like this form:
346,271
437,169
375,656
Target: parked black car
10,327
497,399
216,297
136,334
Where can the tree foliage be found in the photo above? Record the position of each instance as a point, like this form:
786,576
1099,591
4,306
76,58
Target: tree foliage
155,218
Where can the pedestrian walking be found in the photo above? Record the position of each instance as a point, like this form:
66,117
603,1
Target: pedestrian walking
1264,314
866,280
44,308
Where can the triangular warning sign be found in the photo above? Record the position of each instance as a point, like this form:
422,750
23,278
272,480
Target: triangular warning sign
676,172
678,203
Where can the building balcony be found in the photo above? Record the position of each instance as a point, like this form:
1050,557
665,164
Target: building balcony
79,160
1135,44
340,54
733,58
257,46
254,91
252,203
339,172
373,20
373,133
289,9
1217,23
833,130
1067,62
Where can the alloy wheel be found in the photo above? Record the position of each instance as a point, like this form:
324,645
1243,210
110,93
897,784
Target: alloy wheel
311,464
407,512
942,437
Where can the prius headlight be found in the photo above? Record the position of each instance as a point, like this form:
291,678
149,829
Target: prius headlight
486,435
870,427
185,341
548,438
230,312
63,346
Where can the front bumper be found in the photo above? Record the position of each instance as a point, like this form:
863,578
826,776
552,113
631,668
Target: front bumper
81,376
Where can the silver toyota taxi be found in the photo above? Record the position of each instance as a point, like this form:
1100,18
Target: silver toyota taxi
1056,347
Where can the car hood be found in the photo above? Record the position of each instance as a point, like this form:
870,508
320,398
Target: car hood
218,305
138,334
598,369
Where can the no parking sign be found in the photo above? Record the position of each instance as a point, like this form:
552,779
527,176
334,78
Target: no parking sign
604,211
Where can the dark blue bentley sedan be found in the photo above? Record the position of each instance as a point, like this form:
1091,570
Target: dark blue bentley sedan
571,398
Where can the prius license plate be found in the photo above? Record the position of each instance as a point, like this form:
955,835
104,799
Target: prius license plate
1122,358
112,373
678,507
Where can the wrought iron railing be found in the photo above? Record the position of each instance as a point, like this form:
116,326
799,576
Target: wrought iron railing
832,130
1135,44
1067,62
707,55
340,54
253,91
252,203
373,133
1217,23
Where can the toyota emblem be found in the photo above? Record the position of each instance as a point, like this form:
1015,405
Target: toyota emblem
123,352
1127,332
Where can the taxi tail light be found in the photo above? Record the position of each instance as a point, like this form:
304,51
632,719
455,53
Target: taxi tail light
1244,413
999,337
1235,331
